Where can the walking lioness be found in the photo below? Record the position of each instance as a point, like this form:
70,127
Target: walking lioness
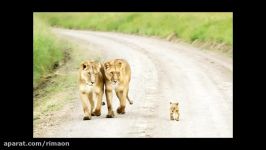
91,87
117,74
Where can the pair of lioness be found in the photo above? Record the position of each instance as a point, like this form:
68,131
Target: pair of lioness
93,76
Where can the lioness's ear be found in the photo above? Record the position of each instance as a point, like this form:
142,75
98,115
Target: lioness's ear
119,64
102,65
106,65
83,65
99,66
177,103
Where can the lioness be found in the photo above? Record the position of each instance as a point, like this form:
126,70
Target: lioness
117,74
91,87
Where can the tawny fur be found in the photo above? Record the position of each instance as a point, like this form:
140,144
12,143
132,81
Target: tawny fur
117,74
91,87
174,111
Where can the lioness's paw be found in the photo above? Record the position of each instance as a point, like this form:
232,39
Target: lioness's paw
110,115
86,118
96,113
120,110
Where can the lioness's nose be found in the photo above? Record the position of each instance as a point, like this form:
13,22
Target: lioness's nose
115,81
92,82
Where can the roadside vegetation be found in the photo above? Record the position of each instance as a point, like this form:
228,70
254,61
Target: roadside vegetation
210,30
55,65
47,51
56,96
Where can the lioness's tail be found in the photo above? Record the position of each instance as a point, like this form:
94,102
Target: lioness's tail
130,101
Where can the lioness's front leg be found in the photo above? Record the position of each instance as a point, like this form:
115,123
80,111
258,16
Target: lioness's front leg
97,111
109,96
122,98
91,99
86,106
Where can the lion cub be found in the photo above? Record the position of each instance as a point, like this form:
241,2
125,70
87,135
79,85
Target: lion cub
174,111
91,87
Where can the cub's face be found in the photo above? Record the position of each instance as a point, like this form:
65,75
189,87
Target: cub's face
89,72
173,107
113,71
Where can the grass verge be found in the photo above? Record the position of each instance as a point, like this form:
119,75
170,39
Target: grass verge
213,30
56,99
47,51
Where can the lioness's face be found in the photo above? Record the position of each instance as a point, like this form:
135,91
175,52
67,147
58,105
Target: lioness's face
90,70
113,72
173,107
113,75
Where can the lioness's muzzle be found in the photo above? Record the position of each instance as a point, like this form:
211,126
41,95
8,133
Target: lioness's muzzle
90,83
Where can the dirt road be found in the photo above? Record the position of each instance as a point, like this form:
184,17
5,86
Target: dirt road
161,72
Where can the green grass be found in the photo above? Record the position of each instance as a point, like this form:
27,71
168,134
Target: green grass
55,96
47,50
203,27
61,90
